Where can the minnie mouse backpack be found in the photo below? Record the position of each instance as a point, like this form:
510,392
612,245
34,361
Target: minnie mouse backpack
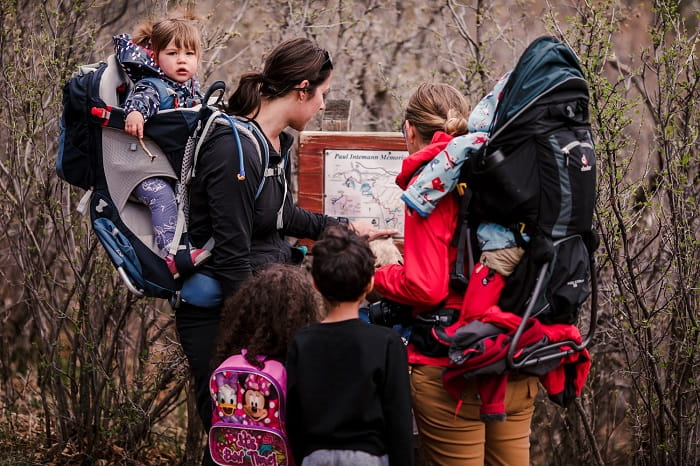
248,426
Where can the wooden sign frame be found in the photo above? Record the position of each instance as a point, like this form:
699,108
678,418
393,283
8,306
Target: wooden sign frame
314,144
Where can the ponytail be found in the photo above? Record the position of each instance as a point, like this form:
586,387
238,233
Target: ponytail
247,97
179,26
143,33
437,107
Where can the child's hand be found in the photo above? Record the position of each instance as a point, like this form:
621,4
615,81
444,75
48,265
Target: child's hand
134,124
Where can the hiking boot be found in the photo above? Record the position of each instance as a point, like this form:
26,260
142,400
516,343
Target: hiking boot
198,256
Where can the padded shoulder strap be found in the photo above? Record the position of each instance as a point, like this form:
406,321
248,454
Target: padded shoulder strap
459,277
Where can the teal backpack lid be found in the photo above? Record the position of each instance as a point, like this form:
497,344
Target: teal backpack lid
543,66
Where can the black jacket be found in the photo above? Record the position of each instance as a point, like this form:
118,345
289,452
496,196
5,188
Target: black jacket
243,227
348,389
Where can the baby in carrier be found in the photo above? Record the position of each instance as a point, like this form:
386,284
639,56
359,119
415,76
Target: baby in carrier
163,58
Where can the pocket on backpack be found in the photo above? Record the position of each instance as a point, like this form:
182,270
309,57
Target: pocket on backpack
119,249
141,276
506,181
568,284
202,291
235,445
580,159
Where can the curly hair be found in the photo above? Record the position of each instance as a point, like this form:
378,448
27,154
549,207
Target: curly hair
264,314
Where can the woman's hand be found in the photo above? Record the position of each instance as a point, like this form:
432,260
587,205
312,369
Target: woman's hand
363,228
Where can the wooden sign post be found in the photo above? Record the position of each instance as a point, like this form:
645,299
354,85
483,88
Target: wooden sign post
352,174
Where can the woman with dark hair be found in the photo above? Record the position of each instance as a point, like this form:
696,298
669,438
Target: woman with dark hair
248,227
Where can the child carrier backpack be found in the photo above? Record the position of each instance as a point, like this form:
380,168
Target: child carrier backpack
248,415
538,165
96,155
536,174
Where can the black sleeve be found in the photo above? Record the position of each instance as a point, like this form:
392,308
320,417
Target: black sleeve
230,204
299,222
302,223
293,414
396,403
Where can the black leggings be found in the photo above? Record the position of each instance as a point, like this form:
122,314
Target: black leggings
198,330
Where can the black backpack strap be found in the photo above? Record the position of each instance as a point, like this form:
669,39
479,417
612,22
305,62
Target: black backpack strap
462,241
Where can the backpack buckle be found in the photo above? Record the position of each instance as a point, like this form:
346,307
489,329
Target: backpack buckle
102,114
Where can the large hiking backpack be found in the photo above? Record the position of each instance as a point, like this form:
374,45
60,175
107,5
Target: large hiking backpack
248,415
538,166
96,155
536,174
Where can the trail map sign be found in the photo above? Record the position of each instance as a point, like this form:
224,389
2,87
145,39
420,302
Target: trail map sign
352,174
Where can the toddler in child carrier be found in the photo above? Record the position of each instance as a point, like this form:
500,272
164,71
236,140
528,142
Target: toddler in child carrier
114,168
162,61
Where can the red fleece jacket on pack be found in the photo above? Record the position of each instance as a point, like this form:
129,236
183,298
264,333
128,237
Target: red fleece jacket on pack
480,347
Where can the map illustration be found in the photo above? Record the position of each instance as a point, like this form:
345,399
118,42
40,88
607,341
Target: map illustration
360,185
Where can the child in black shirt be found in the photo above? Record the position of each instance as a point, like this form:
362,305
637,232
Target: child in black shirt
347,389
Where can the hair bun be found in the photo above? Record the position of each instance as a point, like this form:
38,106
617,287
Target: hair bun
455,124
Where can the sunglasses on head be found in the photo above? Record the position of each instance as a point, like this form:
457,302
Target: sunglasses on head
327,65
327,62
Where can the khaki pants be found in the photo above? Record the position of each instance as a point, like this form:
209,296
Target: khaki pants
449,440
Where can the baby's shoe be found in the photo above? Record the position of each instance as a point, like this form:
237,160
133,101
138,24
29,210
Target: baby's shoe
198,256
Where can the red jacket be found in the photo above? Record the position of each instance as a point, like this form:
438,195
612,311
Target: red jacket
479,349
422,281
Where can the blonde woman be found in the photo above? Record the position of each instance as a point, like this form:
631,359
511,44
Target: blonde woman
450,433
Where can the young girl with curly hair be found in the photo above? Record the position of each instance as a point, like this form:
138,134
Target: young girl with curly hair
265,313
